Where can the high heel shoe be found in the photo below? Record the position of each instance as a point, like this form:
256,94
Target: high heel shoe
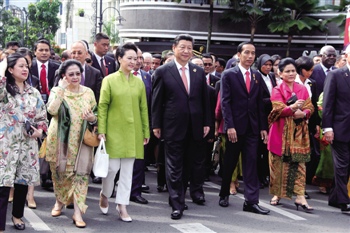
19,226
79,224
305,207
56,213
31,204
104,210
125,219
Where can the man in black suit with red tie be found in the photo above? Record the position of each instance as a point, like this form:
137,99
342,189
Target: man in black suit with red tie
336,129
103,63
180,115
245,124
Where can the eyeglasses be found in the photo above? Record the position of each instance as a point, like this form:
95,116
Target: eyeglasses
208,64
330,55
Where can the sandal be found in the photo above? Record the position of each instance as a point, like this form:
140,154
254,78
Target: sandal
233,190
275,201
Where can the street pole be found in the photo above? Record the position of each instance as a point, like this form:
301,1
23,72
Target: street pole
101,17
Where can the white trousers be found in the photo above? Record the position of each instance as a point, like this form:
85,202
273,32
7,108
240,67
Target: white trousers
126,167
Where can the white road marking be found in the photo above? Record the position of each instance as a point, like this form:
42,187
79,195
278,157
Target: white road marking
267,206
35,221
192,227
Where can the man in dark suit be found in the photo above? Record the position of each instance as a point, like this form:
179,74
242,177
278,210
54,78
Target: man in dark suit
44,68
138,176
245,124
180,115
329,56
207,63
105,64
91,77
336,128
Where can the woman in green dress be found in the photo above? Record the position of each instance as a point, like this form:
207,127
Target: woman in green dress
123,123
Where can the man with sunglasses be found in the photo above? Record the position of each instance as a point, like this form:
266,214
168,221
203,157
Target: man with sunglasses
329,56
208,67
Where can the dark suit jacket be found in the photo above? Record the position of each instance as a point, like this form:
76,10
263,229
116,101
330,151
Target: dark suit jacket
34,82
240,108
319,76
173,109
266,95
213,80
336,102
110,63
315,118
146,78
52,67
212,100
93,80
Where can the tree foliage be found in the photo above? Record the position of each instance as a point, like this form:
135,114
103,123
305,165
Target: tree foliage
111,31
289,17
10,29
43,20
251,11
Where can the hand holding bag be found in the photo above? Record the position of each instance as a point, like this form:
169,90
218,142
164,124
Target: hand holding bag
90,137
101,161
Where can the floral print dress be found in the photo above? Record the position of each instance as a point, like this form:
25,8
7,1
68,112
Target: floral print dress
19,162
68,185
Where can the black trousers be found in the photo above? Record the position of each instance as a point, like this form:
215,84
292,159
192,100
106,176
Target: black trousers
19,200
248,146
184,163
161,180
341,164
138,177
263,161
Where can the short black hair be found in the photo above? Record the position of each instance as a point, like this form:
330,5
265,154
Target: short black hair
25,51
207,55
12,43
286,61
222,62
66,64
183,37
99,36
304,62
275,58
122,49
240,46
157,56
42,41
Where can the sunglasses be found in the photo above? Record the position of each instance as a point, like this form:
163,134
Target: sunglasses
208,64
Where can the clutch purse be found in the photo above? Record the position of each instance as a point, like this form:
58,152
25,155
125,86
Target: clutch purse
291,101
90,137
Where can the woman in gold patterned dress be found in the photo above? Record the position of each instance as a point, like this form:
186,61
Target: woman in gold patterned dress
289,143
70,105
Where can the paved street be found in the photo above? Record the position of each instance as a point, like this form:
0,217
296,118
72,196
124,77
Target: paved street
155,217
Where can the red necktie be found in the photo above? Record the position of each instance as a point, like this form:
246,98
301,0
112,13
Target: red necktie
247,80
184,78
44,87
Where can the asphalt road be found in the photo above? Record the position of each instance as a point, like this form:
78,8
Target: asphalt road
155,216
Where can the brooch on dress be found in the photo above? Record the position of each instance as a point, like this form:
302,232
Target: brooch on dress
194,70
256,81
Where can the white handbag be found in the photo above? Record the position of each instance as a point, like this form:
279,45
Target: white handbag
101,161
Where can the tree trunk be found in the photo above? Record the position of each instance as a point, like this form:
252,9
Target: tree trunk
290,37
210,25
252,33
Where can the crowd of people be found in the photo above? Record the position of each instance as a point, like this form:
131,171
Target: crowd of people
279,123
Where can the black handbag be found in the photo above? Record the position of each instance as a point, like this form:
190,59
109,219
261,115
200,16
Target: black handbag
291,101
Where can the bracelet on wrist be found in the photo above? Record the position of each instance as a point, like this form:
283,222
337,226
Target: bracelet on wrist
93,122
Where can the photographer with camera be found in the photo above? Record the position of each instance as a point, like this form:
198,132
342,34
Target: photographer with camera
23,120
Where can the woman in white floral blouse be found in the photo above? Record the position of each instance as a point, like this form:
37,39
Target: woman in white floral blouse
19,162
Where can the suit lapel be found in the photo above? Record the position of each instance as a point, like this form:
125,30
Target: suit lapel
176,75
346,75
192,72
240,78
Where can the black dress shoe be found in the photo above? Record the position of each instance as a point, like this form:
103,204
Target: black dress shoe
223,202
345,208
97,180
139,199
199,201
144,188
19,226
333,204
254,208
307,196
161,188
186,207
176,214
